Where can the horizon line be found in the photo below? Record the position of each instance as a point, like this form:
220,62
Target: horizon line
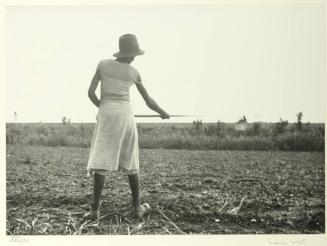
165,122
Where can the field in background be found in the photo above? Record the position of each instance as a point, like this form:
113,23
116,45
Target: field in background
194,136
190,191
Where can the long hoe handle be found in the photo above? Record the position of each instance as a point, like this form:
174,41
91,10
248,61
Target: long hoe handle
157,115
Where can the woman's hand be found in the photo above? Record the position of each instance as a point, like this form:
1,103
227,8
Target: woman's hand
164,115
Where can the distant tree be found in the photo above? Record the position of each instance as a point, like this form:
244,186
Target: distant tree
15,116
197,125
63,119
299,121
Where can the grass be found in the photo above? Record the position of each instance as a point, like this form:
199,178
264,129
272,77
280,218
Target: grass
196,136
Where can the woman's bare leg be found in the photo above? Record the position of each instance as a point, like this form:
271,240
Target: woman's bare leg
97,190
134,183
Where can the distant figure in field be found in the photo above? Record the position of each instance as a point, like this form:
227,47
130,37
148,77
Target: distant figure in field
115,141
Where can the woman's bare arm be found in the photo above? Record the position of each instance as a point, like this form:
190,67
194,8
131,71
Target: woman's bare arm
93,87
151,103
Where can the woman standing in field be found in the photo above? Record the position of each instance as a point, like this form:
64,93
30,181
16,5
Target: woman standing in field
115,141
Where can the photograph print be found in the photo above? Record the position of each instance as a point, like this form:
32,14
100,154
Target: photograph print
165,120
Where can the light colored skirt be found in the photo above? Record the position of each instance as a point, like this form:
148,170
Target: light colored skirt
115,139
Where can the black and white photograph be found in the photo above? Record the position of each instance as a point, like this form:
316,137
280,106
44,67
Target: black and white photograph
186,119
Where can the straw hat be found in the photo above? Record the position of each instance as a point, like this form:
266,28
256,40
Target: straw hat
128,46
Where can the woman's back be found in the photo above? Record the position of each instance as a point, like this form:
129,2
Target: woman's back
115,140
116,79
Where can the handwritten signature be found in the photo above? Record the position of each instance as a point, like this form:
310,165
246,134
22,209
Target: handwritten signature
286,242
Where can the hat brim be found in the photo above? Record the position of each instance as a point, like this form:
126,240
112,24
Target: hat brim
131,54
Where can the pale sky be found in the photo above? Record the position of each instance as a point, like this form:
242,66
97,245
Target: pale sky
219,62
